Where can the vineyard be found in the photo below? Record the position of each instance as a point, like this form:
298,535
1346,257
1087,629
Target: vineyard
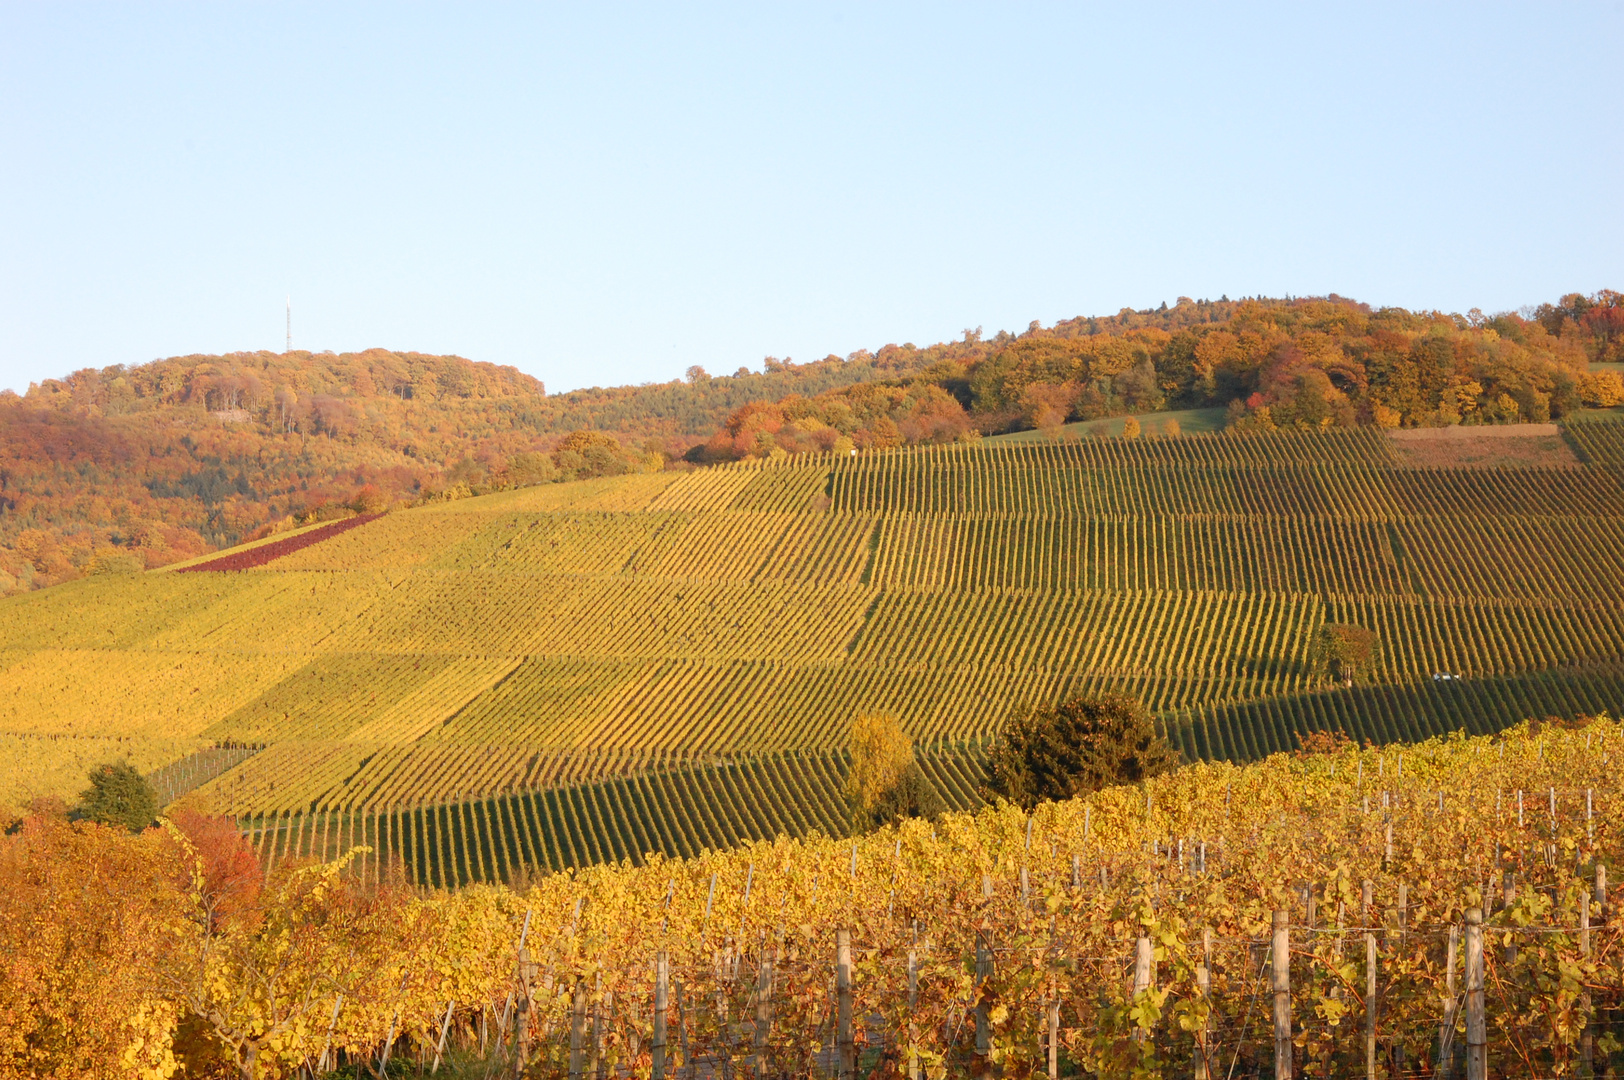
1426,910
620,635
1134,931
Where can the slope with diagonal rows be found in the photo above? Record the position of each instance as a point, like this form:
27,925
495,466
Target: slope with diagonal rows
574,636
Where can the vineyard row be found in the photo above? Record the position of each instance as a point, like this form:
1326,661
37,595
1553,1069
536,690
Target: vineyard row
675,813
1401,904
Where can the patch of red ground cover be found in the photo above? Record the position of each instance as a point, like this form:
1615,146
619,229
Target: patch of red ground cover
247,560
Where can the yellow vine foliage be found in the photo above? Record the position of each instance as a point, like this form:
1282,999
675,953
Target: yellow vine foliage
1194,863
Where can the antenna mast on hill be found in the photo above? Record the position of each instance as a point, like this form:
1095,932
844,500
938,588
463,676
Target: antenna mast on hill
290,325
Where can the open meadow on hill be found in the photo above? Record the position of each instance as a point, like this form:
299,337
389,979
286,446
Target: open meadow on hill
563,674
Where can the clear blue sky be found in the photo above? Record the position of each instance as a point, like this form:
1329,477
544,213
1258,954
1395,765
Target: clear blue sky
602,194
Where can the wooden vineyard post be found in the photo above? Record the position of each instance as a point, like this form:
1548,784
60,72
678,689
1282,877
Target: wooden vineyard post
1587,1040
521,1034
578,1030
845,1047
682,1033
597,1061
983,973
1051,1011
764,1009
1143,956
1282,995
501,1025
1370,1006
1395,946
1053,1033
521,1021
1508,890
913,1003
662,1003
445,1027
1203,989
389,1040
1477,1059
1446,1030
327,1043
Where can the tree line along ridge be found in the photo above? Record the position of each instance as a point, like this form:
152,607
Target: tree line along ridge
131,467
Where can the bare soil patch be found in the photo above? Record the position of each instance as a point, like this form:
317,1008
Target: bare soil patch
1502,446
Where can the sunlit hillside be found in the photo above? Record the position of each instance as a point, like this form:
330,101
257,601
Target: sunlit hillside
591,645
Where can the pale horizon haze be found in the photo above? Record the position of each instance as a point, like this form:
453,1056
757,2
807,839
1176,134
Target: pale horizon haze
602,194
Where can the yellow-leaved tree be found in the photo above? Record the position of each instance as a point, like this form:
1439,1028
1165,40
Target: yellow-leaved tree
885,782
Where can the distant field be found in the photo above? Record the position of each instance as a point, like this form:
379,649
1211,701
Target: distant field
1190,422
588,638
1485,446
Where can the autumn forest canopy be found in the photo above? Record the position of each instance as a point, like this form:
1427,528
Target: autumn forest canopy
126,468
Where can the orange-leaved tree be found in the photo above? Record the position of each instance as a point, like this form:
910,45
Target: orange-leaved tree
87,913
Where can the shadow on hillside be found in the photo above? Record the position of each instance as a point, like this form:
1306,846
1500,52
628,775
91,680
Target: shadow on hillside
1396,713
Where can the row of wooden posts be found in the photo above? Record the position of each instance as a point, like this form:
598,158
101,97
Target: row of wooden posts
584,1055
844,1056
1476,1051
585,1052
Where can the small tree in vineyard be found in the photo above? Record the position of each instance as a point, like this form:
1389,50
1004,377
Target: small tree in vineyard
1081,745
1344,652
118,795
885,783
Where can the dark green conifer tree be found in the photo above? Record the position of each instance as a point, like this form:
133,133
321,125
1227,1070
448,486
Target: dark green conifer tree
1081,745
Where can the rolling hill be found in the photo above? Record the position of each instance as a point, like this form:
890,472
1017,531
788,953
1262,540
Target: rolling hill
561,674
142,466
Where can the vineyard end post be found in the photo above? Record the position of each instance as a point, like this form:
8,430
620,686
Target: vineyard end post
1203,988
913,1003
1508,890
577,1029
845,1047
1587,1039
764,1009
983,973
597,1059
445,1027
1282,994
1446,1029
1477,1061
1370,1006
662,1004
1143,963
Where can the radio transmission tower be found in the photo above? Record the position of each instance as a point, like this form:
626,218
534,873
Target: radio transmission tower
290,325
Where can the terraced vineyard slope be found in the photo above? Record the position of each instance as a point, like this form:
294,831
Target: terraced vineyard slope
653,625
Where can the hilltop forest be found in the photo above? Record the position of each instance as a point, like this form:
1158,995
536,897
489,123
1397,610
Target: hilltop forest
125,468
